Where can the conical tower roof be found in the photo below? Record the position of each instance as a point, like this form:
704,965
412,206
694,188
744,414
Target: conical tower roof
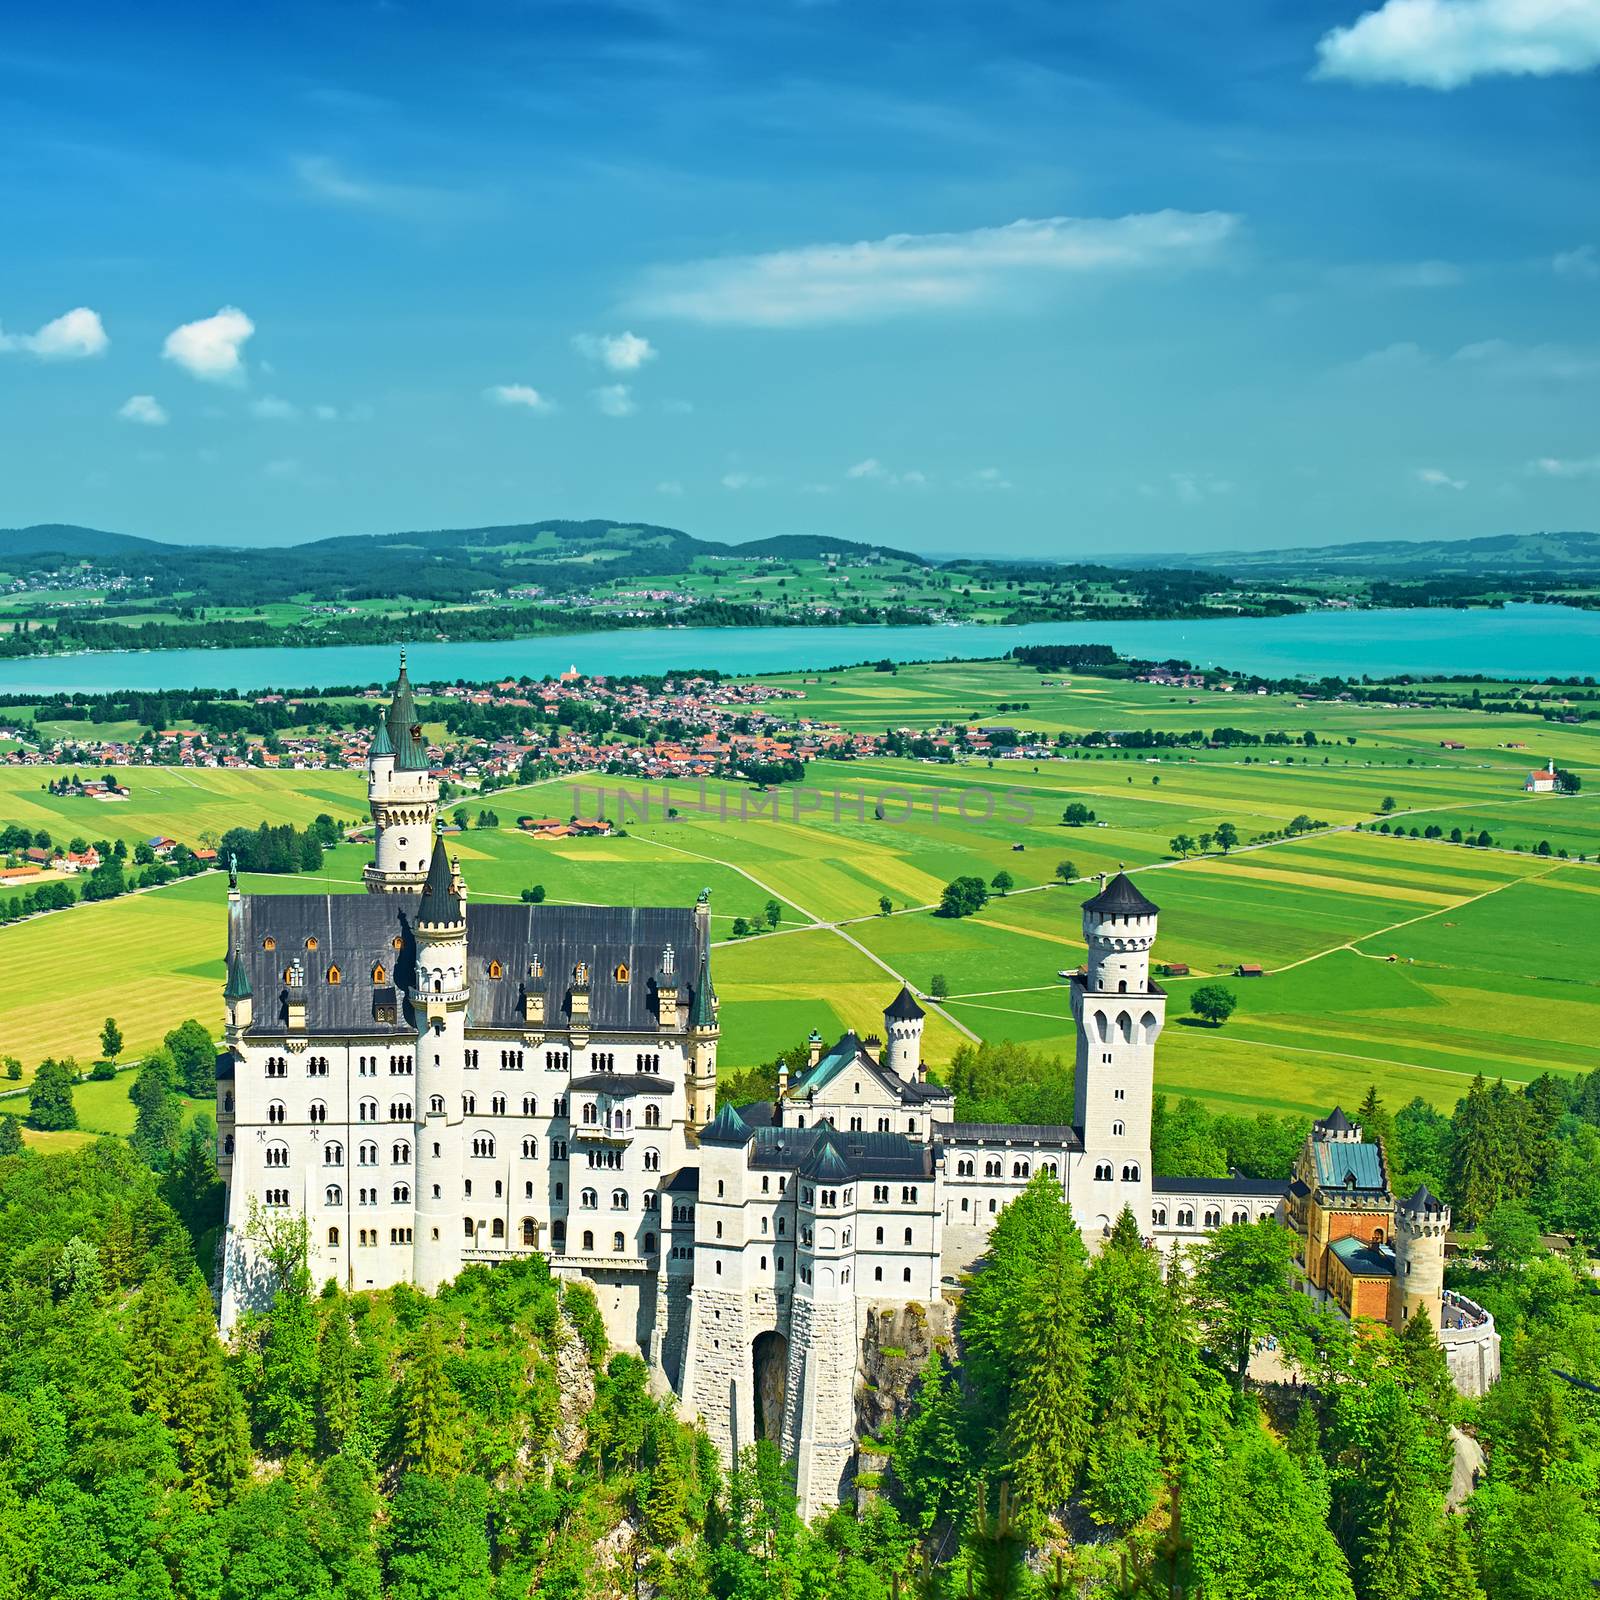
440,902
238,984
1121,898
904,1007
382,744
702,1007
727,1127
826,1161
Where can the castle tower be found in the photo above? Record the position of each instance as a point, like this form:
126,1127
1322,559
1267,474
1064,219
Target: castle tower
439,1003
902,1029
1119,1013
703,1026
402,795
1420,1224
819,1397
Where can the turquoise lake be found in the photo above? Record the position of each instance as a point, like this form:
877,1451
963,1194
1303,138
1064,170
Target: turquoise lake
1519,641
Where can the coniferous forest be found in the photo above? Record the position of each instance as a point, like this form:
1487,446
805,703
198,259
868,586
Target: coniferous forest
1088,1428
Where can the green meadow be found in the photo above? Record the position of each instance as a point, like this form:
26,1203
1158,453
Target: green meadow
1410,963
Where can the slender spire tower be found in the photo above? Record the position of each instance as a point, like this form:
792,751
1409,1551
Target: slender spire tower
402,795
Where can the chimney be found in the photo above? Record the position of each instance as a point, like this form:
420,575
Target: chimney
814,1047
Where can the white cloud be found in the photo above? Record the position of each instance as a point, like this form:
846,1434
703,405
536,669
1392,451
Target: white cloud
1442,44
1187,488
520,394
286,468
1435,478
324,179
1495,358
269,408
325,413
905,272
73,336
145,409
669,486
210,348
743,480
678,408
1399,275
990,478
1582,263
621,352
873,471
1579,467
615,400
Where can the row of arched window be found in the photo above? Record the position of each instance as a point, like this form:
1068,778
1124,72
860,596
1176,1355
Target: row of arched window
1105,1172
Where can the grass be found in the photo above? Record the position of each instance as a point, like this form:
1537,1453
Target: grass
1495,953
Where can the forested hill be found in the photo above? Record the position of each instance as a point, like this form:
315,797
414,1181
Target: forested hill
442,564
1510,554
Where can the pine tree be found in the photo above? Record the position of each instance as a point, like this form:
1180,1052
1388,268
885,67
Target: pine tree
932,1462
338,1401
1048,1426
1452,1575
1420,1361
10,1135
1376,1123
429,1424
159,1111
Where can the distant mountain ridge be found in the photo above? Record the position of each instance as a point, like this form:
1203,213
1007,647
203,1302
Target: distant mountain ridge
443,564
1519,554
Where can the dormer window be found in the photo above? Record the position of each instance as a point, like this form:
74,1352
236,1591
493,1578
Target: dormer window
269,943
496,970
311,942
536,967
335,975
394,943
379,975
622,972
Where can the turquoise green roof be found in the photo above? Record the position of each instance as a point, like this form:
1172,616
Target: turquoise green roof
826,1163
828,1068
381,743
727,1127
238,984
1363,1260
702,1011
440,902
1341,1165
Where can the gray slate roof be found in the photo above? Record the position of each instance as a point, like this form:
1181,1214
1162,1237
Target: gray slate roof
356,932
1121,898
1241,1188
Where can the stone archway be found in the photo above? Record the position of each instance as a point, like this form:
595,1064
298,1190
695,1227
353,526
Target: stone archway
769,1355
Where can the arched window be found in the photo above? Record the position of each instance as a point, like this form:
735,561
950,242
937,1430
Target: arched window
319,1112
469,1104
619,1199
527,1230
468,1228
436,1104
333,1154
1102,1172
652,1161
333,1236
1130,1172
483,1144
1125,1025
276,1111
368,1155
589,1199
908,1236
530,1149
588,1239
558,1234
368,1111
1118,1129
1185,1217
401,1153
1244,1216
650,1247
1158,1217
402,1194
618,1244
530,1105
652,1116
277,1155
497,1228
1213,1219
334,974
1019,1169
334,1195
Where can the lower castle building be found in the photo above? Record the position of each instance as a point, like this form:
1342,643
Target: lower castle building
430,1083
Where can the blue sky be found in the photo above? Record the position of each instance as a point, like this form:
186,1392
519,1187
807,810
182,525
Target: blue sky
1018,276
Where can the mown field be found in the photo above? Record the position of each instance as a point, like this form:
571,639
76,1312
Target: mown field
1494,952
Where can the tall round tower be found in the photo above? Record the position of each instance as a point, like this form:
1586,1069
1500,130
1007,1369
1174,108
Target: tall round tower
902,1029
704,1029
402,795
439,1005
1119,1014
1421,1221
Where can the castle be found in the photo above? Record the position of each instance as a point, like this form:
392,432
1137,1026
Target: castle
430,1083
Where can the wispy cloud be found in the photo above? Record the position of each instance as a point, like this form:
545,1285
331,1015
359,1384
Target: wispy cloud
1398,275
73,336
1500,359
210,349
669,486
620,352
1187,488
614,400
1443,44
269,408
873,471
520,394
1437,478
1568,467
989,479
326,180
1583,263
930,272
144,409
743,480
